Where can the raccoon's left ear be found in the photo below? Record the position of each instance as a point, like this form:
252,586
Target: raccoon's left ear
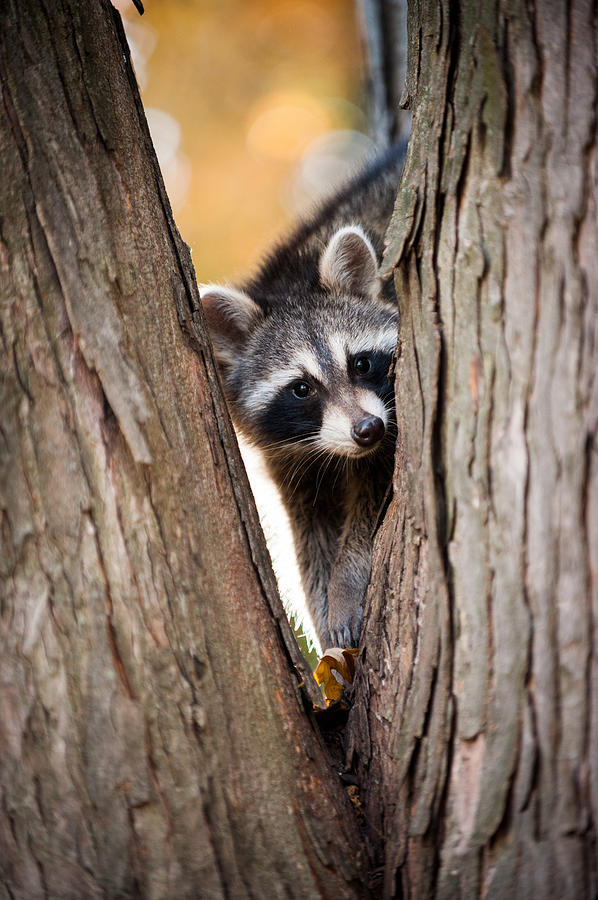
230,315
349,262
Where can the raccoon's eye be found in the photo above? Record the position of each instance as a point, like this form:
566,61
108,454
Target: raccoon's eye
362,365
301,389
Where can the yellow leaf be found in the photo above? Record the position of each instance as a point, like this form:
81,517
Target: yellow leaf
336,671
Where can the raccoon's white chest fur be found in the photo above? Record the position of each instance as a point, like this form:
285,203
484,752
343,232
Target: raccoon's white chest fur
304,350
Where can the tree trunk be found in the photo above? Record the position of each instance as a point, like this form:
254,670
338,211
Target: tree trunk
153,737
475,729
152,740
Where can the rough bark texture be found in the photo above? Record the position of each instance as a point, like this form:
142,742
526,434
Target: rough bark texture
153,740
476,722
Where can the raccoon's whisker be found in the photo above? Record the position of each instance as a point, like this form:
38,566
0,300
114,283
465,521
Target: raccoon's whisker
274,447
308,460
285,442
295,475
302,467
343,467
296,467
323,469
321,453
293,467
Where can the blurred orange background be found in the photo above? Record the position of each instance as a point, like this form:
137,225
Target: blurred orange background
255,110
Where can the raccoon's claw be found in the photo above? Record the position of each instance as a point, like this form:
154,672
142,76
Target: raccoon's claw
347,634
344,618
346,590
343,638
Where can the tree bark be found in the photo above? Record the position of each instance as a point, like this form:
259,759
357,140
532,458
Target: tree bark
152,740
153,736
475,728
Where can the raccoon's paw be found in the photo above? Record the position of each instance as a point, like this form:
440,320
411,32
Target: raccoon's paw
344,620
346,589
346,635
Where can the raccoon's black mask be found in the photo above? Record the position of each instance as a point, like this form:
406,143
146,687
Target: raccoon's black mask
307,369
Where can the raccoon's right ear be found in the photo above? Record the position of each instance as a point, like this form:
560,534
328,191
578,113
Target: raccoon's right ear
349,262
230,315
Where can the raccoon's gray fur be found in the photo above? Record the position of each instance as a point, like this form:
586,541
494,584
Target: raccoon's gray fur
304,349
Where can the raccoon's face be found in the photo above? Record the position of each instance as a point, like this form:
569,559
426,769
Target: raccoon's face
309,375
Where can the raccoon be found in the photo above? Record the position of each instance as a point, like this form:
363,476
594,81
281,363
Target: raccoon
304,349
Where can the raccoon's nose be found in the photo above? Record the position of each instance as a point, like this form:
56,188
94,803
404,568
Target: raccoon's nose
368,431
